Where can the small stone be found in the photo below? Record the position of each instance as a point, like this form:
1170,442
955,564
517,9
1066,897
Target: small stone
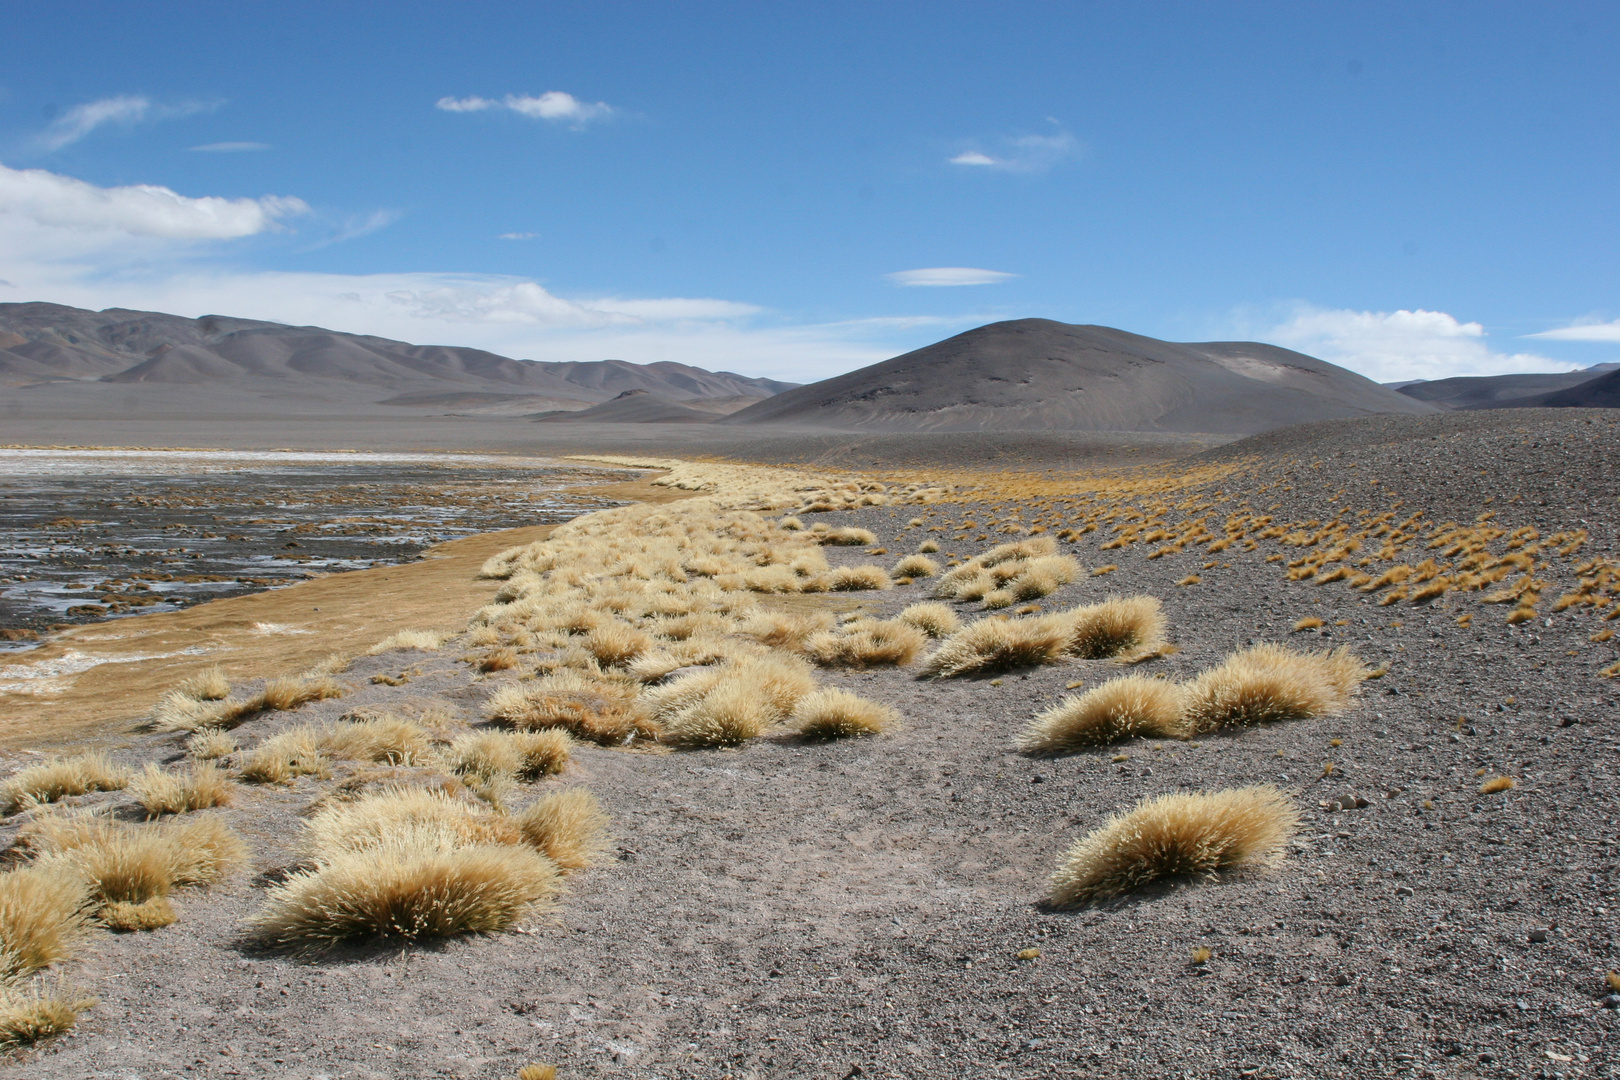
1402,890
1568,721
1538,935
1037,779
1611,1001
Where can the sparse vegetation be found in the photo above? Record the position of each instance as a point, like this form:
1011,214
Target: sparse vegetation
33,1014
1119,627
1121,708
915,566
866,643
837,714
421,640
999,643
42,917
61,777
934,619
568,826
209,685
1496,784
1200,834
1268,684
200,787
124,863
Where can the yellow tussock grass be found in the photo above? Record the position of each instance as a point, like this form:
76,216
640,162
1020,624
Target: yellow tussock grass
616,643
280,758
1495,784
915,566
60,777
42,918
1177,835
502,659
847,537
127,917
391,810
730,704
210,685
524,754
135,863
927,547
1269,683
867,576
932,618
997,644
589,708
786,630
199,787
420,640
1119,627
31,1015
569,827
1309,623
210,745
537,1071
837,714
867,643
282,695
384,739
413,885
1121,708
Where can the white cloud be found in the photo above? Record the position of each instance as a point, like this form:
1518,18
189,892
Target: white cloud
229,147
949,275
1391,346
1585,331
554,105
1022,153
518,236
45,210
125,110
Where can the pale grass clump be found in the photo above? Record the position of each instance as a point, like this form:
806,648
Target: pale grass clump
927,547
616,643
537,1071
202,786
787,629
130,917
858,578
732,703
33,1014
934,619
282,757
42,917
867,643
182,712
421,640
693,652
384,739
210,745
1119,627
60,777
134,864
1122,708
999,643
393,809
837,714
283,695
915,566
209,685
1269,683
849,536
590,708
1496,784
504,658
527,755
569,827
1194,834
414,885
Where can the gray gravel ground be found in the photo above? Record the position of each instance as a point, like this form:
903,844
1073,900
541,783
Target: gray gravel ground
855,909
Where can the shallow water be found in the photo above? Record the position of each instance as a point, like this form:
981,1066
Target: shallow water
87,535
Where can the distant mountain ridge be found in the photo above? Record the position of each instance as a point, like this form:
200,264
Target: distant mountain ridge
1538,390
44,344
1037,374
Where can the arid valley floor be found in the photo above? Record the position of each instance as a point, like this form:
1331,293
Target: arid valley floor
877,906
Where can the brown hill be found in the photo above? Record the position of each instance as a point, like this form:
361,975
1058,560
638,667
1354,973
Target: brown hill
634,407
1036,374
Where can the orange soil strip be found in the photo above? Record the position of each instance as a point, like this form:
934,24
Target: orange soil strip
99,699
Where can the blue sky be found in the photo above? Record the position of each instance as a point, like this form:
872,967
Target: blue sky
796,190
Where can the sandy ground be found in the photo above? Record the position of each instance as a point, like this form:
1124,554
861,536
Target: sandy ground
856,909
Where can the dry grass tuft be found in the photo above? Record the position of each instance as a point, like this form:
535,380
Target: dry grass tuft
202,786
1121,708
915,566
524,754
846,537
732,703
837,714
1309,623
1121,627
384,739
392,810
502,659
933,618
134,863
210,685
422,640
537,1072
42,918
1269,683
786,630
282,695
616,643
996,644
1495,784
589,708
280,758
858,578
60,777
568,826
32,1015
127,917
927,547
866,643
1199,834
210,745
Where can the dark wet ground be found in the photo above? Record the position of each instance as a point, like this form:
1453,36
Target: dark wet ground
86,536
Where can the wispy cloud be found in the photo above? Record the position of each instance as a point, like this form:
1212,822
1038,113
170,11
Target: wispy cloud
42,210
1583,331
1391,346
125,111
518,236
229,147
948,275
554,105
1020,153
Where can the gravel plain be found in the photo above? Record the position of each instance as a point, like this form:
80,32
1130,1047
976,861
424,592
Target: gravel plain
857,908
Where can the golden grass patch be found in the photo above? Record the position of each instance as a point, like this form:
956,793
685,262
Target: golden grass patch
592,709
209,685
1269,683
127,917
1496,784
52,780
1119,627
837,714
569,827
128,863
866,643
1309,623
997,644
1175,835
786,629
210,745
282,757
42,917
915,566
421,640
523,754
932,618
1121,708
199,787
31,1015
868,576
